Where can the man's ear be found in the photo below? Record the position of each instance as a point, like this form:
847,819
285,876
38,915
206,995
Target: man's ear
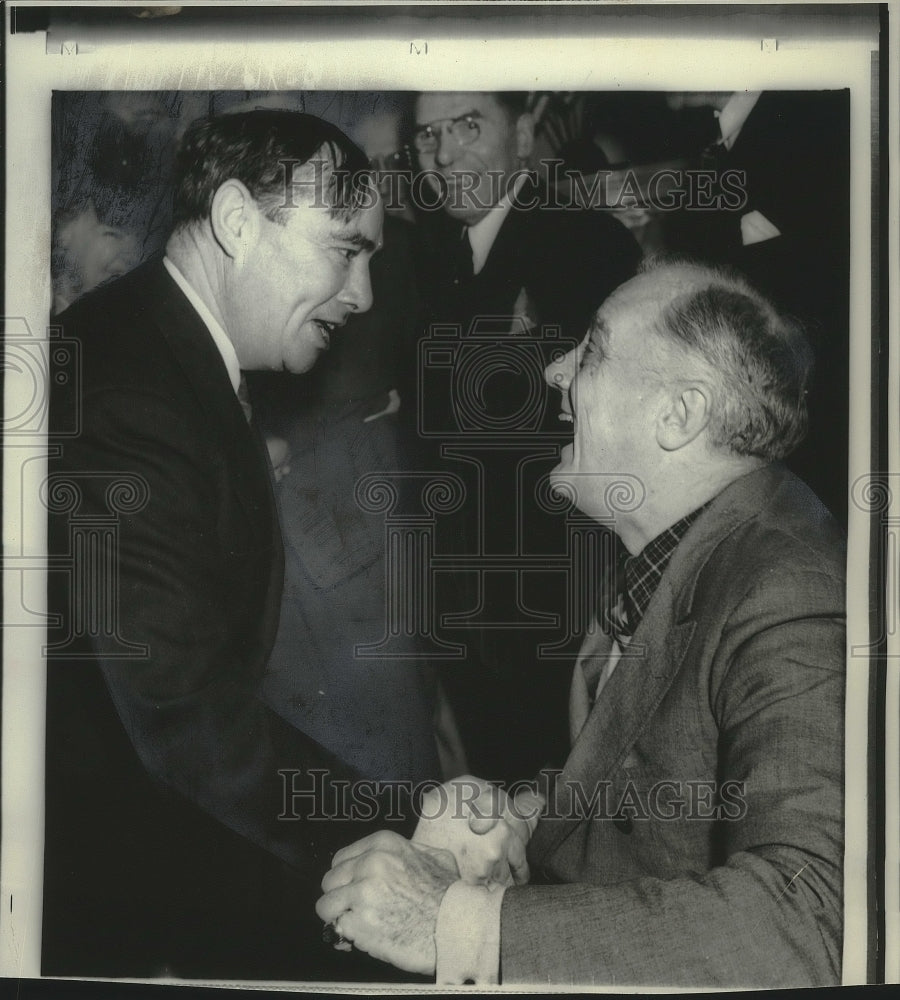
685,415
525,135
235,220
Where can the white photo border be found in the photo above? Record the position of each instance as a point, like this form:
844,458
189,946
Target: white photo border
499,46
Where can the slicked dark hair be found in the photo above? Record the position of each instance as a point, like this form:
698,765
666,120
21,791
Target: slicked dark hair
761,360
265,150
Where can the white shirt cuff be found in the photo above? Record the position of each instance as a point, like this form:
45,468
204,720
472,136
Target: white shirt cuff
467,937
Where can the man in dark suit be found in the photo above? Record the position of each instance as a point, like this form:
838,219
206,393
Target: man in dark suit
790,235
694,836
519,277
174,845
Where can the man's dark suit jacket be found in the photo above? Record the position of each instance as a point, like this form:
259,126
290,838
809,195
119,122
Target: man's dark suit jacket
737,674
165,853
794,152
555,266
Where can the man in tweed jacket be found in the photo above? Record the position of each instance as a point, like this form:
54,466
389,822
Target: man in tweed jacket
695,834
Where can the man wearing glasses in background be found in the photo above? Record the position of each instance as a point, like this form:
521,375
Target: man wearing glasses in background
518,274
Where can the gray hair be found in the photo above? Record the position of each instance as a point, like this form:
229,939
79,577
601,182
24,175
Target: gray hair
761,360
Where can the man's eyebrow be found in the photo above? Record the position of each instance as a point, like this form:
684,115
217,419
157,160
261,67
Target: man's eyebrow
356,238
450,118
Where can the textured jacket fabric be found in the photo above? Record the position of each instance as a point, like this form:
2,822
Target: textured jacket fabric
713,855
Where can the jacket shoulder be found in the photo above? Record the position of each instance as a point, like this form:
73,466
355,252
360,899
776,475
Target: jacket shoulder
789,545
118,331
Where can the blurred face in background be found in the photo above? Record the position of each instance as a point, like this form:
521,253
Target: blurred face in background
92,253
379,136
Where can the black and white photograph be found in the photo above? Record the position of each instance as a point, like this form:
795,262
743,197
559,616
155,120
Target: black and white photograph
449,518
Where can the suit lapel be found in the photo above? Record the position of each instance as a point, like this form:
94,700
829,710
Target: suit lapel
641,679
199,359
510,254
624,709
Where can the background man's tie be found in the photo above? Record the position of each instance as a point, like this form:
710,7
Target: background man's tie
243,395
463,269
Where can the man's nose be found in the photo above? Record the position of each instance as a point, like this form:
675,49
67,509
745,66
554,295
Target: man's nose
561,370
447,148
357,292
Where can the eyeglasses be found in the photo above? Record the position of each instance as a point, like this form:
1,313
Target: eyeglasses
386,163
465,130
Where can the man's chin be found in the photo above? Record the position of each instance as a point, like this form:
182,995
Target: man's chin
300,366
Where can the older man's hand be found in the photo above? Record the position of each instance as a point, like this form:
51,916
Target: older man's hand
383,894
485,830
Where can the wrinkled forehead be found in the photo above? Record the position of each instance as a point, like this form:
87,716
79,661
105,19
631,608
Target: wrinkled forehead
629,323
431,107
634,306
648,294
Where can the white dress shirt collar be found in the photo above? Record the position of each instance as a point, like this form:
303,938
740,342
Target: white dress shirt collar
735,113
219,336
484,232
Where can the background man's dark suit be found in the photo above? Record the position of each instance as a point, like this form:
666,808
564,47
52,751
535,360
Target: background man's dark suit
164,852
794,149
553,268
568,260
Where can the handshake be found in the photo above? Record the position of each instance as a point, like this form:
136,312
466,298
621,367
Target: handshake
383,893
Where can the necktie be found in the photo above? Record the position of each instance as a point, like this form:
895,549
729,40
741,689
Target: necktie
243,395
596,670
614,620
713,155
463,269
617,620
617,612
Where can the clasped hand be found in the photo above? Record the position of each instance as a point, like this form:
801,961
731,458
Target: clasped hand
383,893
484,830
